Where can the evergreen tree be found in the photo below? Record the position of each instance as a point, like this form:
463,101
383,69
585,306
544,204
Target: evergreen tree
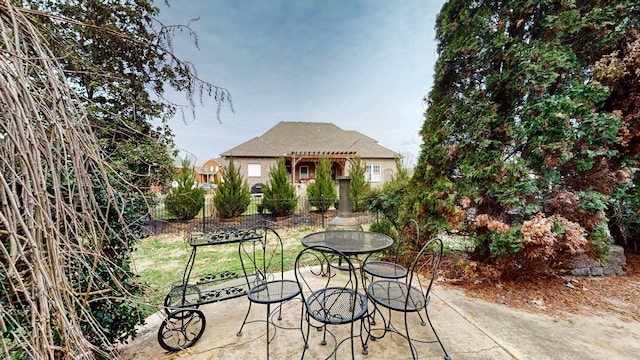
186,199
279,195
359,187
322,193
232,195
526,126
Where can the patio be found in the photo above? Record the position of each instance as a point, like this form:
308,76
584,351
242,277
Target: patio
219,340
469,329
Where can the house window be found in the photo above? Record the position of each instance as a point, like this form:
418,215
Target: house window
304,172
373,173
254,170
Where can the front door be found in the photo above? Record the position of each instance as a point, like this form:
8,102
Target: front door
304,172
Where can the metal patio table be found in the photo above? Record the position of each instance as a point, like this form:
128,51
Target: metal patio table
349,242
184,323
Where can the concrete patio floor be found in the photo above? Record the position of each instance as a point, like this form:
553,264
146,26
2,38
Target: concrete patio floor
469,329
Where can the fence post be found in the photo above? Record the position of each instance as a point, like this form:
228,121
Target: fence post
204,210
322,208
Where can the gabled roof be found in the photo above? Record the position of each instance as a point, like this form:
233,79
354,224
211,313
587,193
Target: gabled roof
217,161
203,169
222,161
311,138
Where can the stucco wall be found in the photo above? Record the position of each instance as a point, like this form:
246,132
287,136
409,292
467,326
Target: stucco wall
265,165
387,168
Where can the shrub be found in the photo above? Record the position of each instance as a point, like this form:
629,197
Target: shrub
232,196
279,195
388,200
383,226
186,199
359,186
322,193
624,210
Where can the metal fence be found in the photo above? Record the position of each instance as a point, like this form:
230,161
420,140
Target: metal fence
160,221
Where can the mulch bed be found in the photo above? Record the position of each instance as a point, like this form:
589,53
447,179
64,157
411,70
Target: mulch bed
556,294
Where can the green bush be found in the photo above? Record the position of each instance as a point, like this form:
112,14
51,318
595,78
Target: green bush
185,200
388,200
279,195
232,196
625,215
383,226
506,243
322,193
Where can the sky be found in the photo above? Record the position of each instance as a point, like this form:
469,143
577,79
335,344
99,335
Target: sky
363,65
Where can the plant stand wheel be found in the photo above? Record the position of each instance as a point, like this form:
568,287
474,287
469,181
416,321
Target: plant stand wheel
173,301
181,329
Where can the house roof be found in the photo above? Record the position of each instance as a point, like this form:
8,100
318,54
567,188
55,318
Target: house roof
216,161
204,169
221,161
309,138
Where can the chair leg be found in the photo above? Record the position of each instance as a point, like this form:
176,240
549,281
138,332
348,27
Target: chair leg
268,321
422,322
324,336
446,355
353,349
414,353
245,320
280,312
373,322
365,341
305,338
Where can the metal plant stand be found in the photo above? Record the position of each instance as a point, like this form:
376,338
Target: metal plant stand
184,323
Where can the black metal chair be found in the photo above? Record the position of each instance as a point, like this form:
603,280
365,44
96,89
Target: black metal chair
330,299
390,267
262,263
411,294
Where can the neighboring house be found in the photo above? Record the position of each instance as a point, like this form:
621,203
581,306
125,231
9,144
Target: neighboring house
302,144
210,172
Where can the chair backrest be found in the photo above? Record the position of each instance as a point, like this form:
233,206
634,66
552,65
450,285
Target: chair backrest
261,255
311,276
404,248
424,269
411,230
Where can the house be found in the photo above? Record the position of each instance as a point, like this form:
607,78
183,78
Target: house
302,144
210,172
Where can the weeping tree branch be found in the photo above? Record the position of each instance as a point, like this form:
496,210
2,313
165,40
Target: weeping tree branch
51,221
163,44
